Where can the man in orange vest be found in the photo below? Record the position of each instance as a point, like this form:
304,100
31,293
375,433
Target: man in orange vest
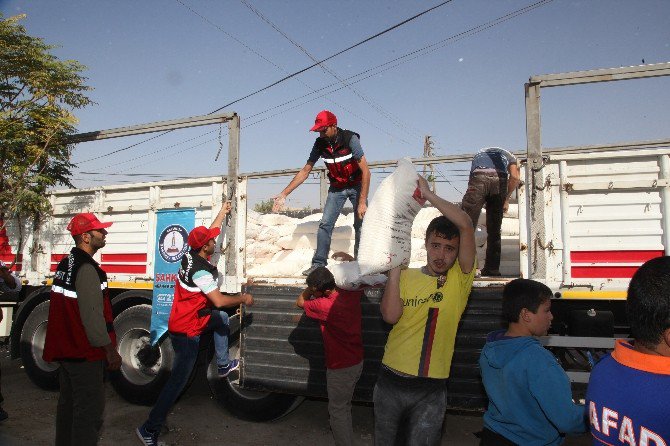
80,334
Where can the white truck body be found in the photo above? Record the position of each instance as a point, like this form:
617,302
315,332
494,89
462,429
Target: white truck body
606,212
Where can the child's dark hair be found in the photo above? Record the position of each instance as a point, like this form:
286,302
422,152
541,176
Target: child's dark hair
443,227
321,279
648,302
523,293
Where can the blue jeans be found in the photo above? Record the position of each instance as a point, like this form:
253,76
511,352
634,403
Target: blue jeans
331,211
410,407
186,350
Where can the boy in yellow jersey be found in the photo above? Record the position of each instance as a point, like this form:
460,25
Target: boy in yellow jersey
424,305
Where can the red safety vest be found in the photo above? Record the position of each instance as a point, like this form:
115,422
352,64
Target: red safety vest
66,337
191,309
343,169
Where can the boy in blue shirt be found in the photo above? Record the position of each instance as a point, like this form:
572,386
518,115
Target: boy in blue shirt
530,402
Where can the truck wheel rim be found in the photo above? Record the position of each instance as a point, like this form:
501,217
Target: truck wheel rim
37,348
133,368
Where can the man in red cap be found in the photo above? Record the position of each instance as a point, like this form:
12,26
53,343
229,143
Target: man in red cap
80,334
194,311
349,177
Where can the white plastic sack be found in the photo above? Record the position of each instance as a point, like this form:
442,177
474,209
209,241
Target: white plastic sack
387,226
348,276
480,236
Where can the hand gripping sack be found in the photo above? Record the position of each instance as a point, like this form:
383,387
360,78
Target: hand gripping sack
386,234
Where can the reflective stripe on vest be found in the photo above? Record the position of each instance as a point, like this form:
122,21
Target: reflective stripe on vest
72,294
338,160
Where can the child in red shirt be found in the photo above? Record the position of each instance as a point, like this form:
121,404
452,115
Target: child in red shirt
339,314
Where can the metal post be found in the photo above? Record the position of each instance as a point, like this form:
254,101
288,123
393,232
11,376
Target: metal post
565,218
665,202
233,264
535,181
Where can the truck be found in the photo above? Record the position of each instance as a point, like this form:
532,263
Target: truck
588,216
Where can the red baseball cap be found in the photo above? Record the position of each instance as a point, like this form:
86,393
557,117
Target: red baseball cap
199,236
81,223
323,119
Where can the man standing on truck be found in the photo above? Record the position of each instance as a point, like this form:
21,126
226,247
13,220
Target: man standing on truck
424,305
494,175
80,334
195,310
9,283
349,177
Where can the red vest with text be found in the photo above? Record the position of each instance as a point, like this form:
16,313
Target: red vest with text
191,309
343,169
66,337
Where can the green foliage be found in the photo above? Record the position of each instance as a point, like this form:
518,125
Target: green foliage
37,95
264,207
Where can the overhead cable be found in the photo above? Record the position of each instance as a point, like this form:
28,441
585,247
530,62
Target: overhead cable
391,28
389,116
374,70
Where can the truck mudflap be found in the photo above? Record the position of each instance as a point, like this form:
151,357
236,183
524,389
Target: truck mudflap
282,350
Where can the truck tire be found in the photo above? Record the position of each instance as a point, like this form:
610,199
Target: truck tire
44,374
245,404
144,369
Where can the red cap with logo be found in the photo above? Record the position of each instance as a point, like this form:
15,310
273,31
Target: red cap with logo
323,119
81,223
199,236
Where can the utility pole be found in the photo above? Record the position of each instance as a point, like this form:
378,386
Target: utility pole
428,151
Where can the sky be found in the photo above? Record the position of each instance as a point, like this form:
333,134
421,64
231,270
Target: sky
157,60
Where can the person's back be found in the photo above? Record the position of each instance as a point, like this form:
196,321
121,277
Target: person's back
628,392
529,394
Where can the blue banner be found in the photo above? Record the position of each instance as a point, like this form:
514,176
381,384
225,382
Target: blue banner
172,228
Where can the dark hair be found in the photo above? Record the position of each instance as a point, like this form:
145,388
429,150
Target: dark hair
321,279
443,227
648,302
523,293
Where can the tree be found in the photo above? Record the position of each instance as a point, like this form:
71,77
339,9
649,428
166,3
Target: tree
264,206
38,93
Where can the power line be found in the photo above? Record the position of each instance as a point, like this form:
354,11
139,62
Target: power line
121,150
391,28
372,104
405,58
272,63
376,69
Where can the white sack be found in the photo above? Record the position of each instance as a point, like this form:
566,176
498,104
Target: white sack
387,226
275,220
480,236
348,276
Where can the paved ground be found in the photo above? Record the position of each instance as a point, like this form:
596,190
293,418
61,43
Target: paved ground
196,420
